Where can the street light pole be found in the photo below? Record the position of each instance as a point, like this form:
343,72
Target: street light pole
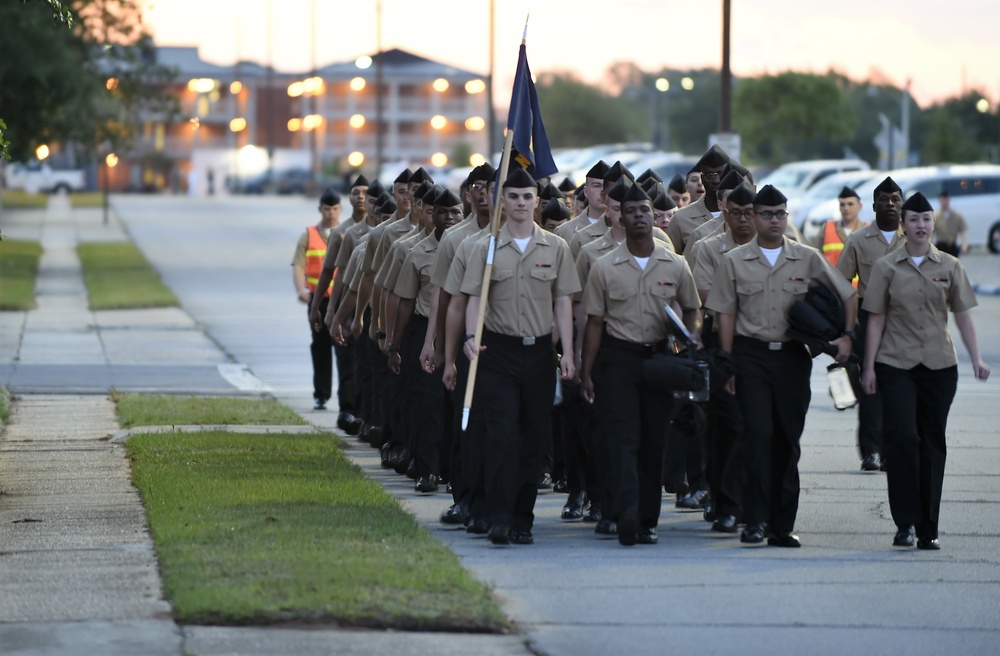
492,116
726,76
379,103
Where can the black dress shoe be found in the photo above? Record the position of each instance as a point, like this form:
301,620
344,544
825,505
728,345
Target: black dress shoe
521,536
932,544
560,486
427,484
647,535
786,540
710,514
544,481
455,515
904,537
752,534
593,515
402,462
628,529
376,436
386,456
477,526
411,470
319,404
499,534
344,420
694,501
725,524
573,510
606,527
872,462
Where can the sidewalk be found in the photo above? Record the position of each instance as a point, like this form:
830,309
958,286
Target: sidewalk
77,567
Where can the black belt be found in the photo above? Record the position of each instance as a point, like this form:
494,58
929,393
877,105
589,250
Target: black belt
634,347
419,318
514,340
761,345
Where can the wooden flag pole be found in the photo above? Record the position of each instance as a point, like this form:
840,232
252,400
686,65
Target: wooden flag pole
470,384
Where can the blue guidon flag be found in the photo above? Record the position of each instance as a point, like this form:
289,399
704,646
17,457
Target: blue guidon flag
525,119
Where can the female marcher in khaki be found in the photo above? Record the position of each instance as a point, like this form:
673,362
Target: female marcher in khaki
911,360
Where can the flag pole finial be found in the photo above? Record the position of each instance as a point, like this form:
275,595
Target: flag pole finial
524,37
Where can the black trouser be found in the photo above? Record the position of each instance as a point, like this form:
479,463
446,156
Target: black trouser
425,410
321,349
633,427
468,487
916,404
347,392
363,375
772,388
684,453
725,424
515,391
869,405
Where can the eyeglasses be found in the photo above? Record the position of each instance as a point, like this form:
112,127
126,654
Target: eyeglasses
710,175
477,186
767,215
736,214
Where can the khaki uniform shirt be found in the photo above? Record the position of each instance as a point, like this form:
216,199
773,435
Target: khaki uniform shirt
861,250
389,271
336,241
414,279
375,237
393,233
355,270
760,296
587,235
707,258
456,272
450,241
574,225
685,221
709,228
631,299
948,228
915,301
351,238
524,286
302,245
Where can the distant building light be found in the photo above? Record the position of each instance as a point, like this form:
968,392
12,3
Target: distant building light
294,124
475,123
202,85
687,83
438,122
195,122
662,84
357,121
475,86
296,89
313,86
983,105
439,159
238,124
111,160
363,62
235,87
358,83
112,83
477,159
312,122
441,85
42,152
357,158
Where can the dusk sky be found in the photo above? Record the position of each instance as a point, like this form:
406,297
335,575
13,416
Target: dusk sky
940,46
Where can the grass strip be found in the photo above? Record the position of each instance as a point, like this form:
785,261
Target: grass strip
159,410
18,199
118,276
256,529
86,199
4,405
18,269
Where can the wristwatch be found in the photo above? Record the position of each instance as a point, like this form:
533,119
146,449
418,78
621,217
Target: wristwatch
850,334
393,347
380,335
469,336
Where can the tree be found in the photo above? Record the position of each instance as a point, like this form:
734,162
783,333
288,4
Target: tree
578,114
791,116
960,131
80,86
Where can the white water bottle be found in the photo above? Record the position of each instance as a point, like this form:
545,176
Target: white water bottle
840,387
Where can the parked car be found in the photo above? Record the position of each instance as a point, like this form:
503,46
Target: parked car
35,176
795,178
824,190
974,190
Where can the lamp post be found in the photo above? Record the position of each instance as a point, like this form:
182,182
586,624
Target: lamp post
110,162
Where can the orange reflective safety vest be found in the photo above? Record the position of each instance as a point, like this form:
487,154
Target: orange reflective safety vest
833,246
315,251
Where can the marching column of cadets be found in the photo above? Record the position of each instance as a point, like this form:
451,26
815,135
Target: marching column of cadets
578,285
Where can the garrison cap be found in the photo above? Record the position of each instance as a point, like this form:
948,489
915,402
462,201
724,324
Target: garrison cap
387,207
567,186
329,197
677,184
730,180
404,177
554,211
580,196
847,192
652,187
360,181
887,186
598,170
519,178
618,170
550,191
663,203
618,190
635,193
430,196
420,175
446,198
737,166
768,195
647,174
917,203
480,174
714,157
375,188
423,188
743,194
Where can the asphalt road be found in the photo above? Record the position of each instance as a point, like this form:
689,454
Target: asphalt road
847,590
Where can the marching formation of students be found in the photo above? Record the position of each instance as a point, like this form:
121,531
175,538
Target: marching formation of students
634,338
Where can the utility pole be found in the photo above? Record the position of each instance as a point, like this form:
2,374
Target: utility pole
726,76
492,115
379,101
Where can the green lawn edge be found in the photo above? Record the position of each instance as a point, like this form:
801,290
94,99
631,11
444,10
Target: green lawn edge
18,272
118,276
136,410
